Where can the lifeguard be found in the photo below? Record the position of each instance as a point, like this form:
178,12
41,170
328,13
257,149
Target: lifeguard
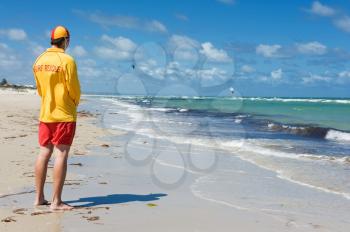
58,85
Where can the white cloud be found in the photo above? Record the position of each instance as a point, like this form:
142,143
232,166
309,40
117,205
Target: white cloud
214,54
321,10
343,23
186,46
156,26
181,17
228,2
328,77
116,20
183,47
87,62
88,69
152,68
268,51
112,53
174,71
182,41
247,69
7,58
312,78
277,74
186,51
119,48
13,67
14,34
123,21
344,74
120,42
311,48
186,54
212,73
36,49
17,34
78,51
273,77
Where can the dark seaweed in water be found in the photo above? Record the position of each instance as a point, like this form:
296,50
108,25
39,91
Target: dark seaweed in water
307,131
317,132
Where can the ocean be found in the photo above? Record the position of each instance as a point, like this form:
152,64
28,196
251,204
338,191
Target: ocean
304,141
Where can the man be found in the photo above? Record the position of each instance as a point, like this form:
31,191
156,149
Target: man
58,86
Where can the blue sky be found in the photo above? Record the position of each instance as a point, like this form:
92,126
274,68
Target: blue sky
260,48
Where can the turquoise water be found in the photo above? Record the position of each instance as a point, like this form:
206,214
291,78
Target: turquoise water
328,113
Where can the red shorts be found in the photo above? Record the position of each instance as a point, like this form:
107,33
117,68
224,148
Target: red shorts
56,133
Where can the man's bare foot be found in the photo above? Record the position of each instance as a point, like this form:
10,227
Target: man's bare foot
61,206
41,202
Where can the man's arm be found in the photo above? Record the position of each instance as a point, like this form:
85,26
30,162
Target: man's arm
38,88
72,82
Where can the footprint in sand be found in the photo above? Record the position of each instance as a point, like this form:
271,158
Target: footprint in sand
76,164
40,213
92,218
10,137
79,153
20,211
8,219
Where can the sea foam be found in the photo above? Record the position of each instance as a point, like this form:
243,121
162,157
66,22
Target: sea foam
338,136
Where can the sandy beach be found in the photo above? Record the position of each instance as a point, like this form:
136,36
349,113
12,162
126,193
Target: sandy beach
111,193
19,147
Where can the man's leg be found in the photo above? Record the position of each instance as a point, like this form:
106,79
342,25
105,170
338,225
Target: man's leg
59,176
40,173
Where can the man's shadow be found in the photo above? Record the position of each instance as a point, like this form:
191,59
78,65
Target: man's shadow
116,199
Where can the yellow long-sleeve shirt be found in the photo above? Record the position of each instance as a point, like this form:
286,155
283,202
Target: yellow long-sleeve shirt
58,85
